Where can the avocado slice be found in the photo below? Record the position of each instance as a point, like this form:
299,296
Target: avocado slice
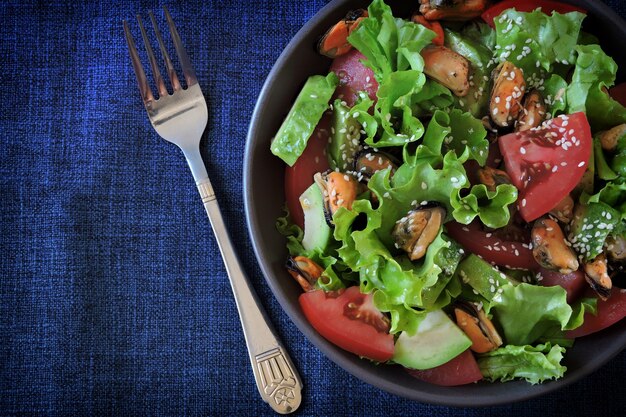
484,279
589,228
344,138
437,340
317,233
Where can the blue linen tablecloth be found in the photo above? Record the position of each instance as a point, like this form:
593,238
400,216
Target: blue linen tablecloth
113,296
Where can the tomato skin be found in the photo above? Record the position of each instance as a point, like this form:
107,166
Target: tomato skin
477,241
546,164
609,312
547,6
353,77
574,283
300,176
458,371
329,314
618,93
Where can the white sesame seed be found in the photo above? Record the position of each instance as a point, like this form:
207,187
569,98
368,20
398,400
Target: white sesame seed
581,164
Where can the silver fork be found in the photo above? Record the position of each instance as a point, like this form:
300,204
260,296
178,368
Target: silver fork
180,118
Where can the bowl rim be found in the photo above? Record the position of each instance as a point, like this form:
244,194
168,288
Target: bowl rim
344,359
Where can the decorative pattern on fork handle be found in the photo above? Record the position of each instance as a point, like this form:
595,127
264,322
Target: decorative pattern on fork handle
279,384
206,190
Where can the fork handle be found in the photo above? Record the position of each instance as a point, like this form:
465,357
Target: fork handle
276,377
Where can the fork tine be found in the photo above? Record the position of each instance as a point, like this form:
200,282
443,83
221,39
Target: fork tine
144,87
188,71
168,62
160,83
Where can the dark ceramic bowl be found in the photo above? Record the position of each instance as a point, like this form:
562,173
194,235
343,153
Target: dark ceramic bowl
264,202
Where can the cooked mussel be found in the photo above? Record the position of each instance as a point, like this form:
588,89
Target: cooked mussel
564,211
609,138
596,274
533,112
477,326
367,163
448,68
550,249
492,177
335,40
418,229
459,10
305,271
338,189
616,248
506,97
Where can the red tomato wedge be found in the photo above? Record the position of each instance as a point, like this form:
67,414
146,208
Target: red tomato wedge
547,6
458,371
353,77
609,312
300,176
546,164
618,93
574,283
497,251
350,320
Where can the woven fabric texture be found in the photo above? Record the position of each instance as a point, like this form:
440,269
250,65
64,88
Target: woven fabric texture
113,296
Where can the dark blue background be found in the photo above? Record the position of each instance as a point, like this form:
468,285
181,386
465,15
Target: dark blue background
113,297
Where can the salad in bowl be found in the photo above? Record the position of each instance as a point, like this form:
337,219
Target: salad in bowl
456,189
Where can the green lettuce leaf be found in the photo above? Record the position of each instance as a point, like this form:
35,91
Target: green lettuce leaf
390,44
594,71
490,206
535,364
526,312
555,95
292,232
537,43
433,96
603,169
456,131
593,68
306,112
393,109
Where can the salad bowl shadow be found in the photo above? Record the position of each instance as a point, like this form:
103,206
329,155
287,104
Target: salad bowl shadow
264,202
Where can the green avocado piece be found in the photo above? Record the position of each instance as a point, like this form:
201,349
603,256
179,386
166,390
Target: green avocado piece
437,340
589,228
484,279
293,135
344,138
317,233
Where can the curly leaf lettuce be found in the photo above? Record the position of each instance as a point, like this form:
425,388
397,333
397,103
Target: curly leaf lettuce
535,364
393,109
390,44
526,312
490,206
537,43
